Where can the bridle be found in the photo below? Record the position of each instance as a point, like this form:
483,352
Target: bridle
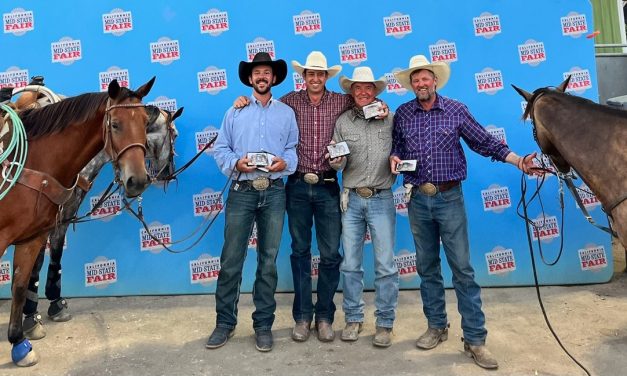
106,134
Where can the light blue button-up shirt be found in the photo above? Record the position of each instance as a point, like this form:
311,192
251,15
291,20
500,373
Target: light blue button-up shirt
255,128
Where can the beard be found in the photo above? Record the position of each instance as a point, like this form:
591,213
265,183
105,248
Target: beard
264,90
425,97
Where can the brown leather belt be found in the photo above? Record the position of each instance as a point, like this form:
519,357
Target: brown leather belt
366,192
431,189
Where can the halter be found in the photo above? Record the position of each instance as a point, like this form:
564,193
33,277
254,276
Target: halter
108,142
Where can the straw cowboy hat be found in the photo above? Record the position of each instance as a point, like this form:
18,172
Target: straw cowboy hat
440,69
279,68
316,61
362,74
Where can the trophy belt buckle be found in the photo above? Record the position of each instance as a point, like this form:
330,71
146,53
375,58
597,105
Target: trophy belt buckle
428,189
261,183
364,192
311,178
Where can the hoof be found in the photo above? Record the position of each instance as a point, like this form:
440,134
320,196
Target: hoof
33,327
23,354
58,311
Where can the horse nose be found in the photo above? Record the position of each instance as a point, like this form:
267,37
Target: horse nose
136,185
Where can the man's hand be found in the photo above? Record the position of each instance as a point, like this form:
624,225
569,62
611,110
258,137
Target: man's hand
241,102
385,111
242,165
278,164
394,160
525,164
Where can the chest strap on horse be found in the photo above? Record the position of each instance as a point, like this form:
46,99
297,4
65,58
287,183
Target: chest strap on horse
47,185
571,187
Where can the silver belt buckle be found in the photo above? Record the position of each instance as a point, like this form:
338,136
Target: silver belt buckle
261,183
428,189
364,192
311,178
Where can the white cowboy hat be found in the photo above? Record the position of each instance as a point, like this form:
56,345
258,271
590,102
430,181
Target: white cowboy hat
362,74
440,69
316,61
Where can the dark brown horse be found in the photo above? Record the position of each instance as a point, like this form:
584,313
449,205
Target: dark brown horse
62,138
591,138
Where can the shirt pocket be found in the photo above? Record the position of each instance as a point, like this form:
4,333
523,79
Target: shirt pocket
446,136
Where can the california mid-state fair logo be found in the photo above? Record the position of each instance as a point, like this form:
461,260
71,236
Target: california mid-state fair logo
588,199
406,264
204,137
397,25
400,202
299,82
393,86
307,23
14,77
154,241
353,52
165,51
260,44
253,239
574,25
107,209
212,80
497,132
101,273
443,51
489,81
500,261
496,198
545,228
114,73
117,22
592,257
66,51
5,273
204,270
580,80
164,103
214,22
208,203
18,22
487,25
315,266
531,53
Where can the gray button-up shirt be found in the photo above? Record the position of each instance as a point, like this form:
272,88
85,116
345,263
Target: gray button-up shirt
370,144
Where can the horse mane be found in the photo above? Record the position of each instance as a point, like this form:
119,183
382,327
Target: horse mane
576,100
54,118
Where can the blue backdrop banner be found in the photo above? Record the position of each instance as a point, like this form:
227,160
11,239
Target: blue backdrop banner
194,48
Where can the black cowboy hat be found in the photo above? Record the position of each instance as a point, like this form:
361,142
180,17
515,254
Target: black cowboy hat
279,68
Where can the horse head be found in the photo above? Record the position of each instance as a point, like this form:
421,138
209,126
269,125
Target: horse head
541,133
125,126
161,135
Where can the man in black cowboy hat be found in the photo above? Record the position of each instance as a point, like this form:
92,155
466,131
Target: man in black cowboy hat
266,128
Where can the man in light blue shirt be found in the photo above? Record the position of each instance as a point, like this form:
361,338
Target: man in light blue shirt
256,146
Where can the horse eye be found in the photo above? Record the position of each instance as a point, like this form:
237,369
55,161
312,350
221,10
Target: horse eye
115,125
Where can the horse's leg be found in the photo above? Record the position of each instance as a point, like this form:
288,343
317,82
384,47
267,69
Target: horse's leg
32,325
23,261
58,310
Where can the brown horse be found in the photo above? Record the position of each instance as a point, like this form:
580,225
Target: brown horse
591,138
62,138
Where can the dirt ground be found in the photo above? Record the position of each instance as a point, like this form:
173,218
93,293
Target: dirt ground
165,335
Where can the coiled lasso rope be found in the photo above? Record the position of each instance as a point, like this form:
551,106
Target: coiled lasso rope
19,146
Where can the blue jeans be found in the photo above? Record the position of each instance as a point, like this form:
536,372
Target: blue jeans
444,216
306,203
243,208
379,214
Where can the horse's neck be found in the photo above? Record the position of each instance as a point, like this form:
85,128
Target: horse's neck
93,167
65,154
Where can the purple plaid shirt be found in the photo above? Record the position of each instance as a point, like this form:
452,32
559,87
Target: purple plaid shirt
432,137
315,126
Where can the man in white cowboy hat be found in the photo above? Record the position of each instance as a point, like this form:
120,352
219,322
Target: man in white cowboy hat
265,127
367,201
428,129
313,196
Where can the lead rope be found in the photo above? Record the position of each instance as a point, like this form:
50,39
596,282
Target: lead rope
18,146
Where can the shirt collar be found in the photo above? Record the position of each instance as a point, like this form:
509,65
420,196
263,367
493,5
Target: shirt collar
437,105
258,103
325,95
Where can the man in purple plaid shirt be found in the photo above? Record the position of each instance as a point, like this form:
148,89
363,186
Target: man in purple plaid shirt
427,129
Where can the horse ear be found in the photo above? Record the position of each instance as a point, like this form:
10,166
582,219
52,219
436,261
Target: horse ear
145,88
562,87
114,89
523,93
177,113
